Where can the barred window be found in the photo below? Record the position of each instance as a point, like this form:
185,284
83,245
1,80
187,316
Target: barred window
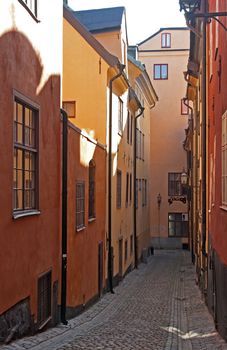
44,298
174,184
25,170
118,189
80,205
91,205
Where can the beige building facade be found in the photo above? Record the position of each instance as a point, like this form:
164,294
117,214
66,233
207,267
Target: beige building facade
165,55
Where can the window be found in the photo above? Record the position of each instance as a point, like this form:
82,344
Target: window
130,188
120,117
184,108
127,189
131,128
31,6
178,224
224,159
25,170
174,184
91,191
118,189
44,298
80,205
144,192
126,250
128,127
70,108
131,244
137,143
142,146
137,193
161,71
166,40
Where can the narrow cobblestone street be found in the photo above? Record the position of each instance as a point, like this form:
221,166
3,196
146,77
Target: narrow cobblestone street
156,307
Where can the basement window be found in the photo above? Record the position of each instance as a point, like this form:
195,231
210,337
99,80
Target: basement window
44,299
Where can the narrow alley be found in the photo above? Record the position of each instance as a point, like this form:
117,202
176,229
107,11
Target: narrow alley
155,307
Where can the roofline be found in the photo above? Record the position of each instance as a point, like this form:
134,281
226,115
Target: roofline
95,44
161,30
144,73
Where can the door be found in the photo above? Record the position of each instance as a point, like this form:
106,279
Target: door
120,256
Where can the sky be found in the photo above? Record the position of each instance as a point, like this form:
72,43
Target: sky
144,17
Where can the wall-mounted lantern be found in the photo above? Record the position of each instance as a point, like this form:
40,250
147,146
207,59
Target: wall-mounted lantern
184,178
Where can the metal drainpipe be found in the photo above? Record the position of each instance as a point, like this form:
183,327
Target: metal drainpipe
134,207
204,134
192,187
64,215
110,262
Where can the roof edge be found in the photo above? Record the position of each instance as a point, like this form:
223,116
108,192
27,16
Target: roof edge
95,44
161,30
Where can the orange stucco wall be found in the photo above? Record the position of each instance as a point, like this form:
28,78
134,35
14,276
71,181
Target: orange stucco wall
30,245
82,281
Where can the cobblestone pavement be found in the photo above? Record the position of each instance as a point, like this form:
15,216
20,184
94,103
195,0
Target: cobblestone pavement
155,307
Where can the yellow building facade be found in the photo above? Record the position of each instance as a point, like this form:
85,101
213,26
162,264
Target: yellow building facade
165,55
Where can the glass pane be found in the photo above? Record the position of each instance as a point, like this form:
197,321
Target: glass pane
19,159
19,113
19,199
27,162
178,216
172,217
157,71
164,71
178,228
168,40
20,179
27,136
27,116
19,133
171,229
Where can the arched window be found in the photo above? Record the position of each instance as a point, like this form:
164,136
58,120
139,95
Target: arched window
91,207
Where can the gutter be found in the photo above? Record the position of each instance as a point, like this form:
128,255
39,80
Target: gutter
121,68
135,195
64,216
192,187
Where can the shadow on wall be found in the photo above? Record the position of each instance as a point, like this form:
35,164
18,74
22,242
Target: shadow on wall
31,241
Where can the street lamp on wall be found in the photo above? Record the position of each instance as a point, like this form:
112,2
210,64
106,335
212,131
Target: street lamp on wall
189,6
184,178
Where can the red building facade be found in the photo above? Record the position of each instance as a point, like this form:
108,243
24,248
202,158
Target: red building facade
217,165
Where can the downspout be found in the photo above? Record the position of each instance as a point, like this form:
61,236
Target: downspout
192,185
135,194
110,262
64,215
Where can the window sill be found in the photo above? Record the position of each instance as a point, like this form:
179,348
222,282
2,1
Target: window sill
80,229
223,207
91,219
29,11
22,214
44,323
